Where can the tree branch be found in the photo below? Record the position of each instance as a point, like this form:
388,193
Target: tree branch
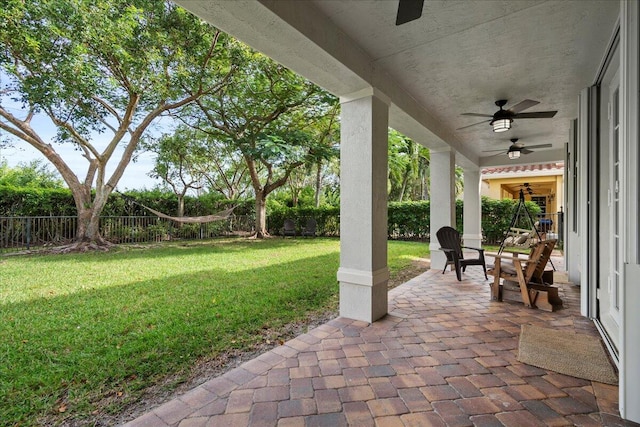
283,179
24,131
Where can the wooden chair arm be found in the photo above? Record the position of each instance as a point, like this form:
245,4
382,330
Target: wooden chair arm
505,256
475,249
518,263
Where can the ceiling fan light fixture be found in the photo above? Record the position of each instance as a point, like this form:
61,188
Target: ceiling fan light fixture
501,125
514,154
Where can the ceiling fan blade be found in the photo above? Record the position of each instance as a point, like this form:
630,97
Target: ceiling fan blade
521,106
409,10
476,115
502,152
540,146
525,151
479,123
536,115
490,151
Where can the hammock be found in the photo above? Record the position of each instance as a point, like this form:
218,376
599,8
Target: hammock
193,219
186,219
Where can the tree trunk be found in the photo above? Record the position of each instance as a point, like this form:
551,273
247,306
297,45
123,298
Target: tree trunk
89,210
180,205
88,235
88,231
261,215
404,187
318,183
425,188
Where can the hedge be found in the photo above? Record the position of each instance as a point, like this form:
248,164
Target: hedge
36,202
327,219
497,215
406,220
59,202
409,220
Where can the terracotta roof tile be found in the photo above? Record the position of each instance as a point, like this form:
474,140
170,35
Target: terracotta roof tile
524,168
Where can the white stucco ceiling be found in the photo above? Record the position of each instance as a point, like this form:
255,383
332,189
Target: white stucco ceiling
460,56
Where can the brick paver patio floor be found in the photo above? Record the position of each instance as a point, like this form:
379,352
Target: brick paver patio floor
445,355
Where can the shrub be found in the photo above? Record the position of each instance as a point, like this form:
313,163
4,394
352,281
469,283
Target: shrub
408,220
497,216
327,218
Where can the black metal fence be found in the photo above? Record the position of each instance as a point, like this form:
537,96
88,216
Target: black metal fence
26,233
552,225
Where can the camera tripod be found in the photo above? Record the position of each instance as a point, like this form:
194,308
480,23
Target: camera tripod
514,220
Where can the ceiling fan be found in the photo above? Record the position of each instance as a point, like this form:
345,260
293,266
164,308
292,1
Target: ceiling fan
528,188
408,10
517,148
501,120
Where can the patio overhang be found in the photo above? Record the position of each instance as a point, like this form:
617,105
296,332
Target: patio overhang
459,57
419,78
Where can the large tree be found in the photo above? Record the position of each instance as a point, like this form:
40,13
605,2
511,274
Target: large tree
408,168
177,157
328,151
189,159
267,114
102,71
326,132
224,170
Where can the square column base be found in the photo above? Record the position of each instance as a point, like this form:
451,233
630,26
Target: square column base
363,295
438,258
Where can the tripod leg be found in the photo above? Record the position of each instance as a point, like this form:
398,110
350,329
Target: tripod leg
514,218
533,224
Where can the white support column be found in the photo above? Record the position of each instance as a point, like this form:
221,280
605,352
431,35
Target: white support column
472,212
443,203
363,272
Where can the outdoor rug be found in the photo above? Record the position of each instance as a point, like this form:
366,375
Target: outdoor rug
577,355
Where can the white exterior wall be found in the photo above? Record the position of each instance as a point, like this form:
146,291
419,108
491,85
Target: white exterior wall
582,199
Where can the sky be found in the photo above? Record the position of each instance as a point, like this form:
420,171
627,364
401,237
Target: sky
135,176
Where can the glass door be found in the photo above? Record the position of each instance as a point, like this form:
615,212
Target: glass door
609,226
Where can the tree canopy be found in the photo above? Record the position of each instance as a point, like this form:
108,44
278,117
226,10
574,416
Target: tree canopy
102,71
270,117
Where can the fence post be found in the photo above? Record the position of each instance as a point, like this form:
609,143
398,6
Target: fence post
561,226
28,227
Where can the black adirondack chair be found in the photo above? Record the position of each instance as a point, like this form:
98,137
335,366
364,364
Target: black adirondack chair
309,229
289,228
449,240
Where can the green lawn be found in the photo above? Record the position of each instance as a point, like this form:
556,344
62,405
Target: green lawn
83,335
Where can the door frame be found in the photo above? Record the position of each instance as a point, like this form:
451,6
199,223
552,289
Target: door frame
591,258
